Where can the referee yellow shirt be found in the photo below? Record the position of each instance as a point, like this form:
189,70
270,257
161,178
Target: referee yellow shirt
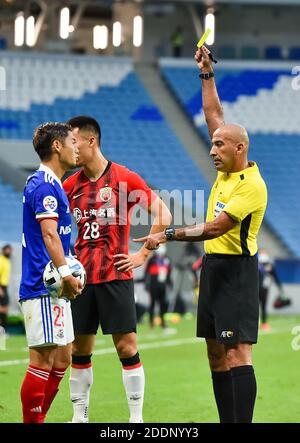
243,196
5,267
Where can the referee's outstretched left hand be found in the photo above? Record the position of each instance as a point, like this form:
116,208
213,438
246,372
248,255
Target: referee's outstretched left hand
152,241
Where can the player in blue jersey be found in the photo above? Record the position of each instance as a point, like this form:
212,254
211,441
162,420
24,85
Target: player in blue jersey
46,235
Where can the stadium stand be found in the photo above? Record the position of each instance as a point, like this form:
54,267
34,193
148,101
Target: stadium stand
263,100
227,52
294,53
57,87
11,213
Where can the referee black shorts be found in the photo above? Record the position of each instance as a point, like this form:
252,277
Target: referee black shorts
4,299
110,304
228,307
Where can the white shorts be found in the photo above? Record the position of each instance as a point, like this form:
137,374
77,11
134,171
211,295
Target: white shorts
48,321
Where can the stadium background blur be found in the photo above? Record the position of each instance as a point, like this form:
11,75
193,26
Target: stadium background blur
113,60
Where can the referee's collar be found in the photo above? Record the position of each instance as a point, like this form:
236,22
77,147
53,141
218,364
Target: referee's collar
253,168
49,171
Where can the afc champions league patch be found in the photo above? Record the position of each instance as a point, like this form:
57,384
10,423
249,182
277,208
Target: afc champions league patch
50,203
105,194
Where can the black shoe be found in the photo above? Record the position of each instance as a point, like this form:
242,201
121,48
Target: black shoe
281,302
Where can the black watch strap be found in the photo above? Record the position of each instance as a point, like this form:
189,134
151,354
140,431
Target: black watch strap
169,233
207,75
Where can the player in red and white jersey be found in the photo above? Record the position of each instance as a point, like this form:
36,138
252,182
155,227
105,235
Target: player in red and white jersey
102,195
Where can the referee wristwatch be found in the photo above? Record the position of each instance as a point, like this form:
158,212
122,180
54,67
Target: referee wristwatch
207,75
169,233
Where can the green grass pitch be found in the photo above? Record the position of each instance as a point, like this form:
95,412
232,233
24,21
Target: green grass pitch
178,384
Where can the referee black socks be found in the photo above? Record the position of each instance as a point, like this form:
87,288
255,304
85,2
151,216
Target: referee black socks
235,393
244,391
223,390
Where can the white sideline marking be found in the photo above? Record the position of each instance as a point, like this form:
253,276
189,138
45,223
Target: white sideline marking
112,350
145,346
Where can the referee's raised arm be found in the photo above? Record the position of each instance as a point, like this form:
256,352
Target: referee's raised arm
212,107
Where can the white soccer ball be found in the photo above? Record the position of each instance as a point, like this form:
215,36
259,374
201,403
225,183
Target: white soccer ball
53,281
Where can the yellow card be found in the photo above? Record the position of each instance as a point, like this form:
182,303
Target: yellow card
203,38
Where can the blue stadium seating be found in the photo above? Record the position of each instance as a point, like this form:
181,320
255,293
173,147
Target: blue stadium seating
273,53
11,214
265,103
249,52
134,133
294,53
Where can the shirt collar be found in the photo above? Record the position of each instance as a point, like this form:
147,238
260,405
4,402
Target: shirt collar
49,171
247,171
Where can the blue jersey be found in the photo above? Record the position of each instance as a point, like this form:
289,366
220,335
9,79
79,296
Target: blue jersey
44,197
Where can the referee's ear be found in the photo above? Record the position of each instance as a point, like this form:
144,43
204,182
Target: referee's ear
241,148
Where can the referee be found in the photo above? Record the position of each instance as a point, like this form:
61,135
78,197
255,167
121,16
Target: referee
5,271
228,308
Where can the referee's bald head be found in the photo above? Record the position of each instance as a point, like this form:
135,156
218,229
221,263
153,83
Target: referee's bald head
230,144
235,133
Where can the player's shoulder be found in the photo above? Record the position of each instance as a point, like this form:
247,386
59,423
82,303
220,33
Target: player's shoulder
70,182
119,169
122,172
72,178
40,180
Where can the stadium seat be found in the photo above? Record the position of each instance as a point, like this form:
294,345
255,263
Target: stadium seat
249,53
3,43
273,53
294,53
226,52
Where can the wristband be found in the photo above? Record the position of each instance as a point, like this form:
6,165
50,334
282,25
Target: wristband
207,75
64,271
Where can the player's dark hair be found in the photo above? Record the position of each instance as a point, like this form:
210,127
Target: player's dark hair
44,136
87,124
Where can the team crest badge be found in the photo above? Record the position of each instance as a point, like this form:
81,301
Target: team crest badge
105,194
77,214
60,333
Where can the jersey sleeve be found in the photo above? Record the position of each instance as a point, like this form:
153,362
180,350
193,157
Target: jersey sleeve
138,190
45,202
247,199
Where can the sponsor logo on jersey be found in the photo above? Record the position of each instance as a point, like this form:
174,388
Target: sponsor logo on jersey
77,195
50,203
105,194
77,214
65,230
